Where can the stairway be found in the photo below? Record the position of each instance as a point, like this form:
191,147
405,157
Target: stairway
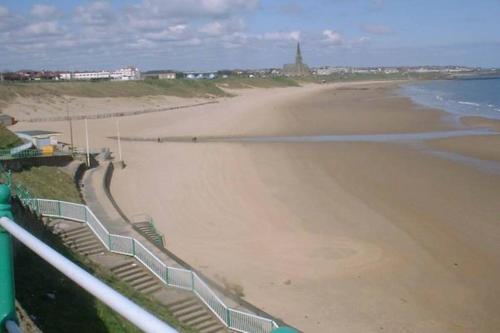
80,239
148,231
184,305
193,313
137,276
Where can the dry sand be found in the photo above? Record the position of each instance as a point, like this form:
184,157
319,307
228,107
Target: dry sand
332,237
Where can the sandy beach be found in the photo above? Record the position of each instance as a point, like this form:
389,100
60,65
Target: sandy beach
328,236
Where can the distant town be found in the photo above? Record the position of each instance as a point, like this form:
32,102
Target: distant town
133,73
297,69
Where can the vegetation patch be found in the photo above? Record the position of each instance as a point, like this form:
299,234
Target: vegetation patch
237,82
149,87
7,138
48,183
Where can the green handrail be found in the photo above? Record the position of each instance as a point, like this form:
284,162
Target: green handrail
7,291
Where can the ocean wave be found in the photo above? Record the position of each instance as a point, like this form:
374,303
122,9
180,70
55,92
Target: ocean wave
469,103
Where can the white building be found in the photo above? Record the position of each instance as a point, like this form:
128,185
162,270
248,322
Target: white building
91,75
65,76
127,73
167,76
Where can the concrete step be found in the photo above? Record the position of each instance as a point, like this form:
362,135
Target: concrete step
125,271
142,279
146,285
191,314
94,251
209,326
84,242
79,237
200,319
125,267
75,231
189,309
184,303
215,329
150,290
88,246
133,276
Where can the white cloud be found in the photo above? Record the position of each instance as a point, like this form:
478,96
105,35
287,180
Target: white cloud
3,11
282,36
172,33
333,37
376,29
222,27
364,39
45,28
95,13
193,8
44,11
213,28
179,28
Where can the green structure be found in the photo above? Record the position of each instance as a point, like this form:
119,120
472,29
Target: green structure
285,330
7,296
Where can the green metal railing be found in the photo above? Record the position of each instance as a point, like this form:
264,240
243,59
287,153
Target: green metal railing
171,276
6,154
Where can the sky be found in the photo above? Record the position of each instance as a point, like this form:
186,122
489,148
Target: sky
229,34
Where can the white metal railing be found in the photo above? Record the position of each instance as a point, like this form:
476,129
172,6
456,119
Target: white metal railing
171,276
20,148
121,304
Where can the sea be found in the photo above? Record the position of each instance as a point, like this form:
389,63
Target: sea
462,97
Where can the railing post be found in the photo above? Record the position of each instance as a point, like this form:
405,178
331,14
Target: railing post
9,178
192,280
7,294
133,246
167,278
228,315
59,208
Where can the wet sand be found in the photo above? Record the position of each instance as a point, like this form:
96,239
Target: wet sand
344,236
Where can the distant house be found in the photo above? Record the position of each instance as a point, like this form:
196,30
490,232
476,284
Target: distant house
200,75
167,76
65,76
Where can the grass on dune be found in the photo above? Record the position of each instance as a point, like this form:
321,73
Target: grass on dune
181,88
148,87
7,138
48,183
236,82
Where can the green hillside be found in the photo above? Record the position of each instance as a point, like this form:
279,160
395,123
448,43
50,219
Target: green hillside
7,138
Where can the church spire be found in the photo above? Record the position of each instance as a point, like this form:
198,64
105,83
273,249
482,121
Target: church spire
298,57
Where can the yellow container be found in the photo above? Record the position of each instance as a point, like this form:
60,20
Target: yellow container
48,150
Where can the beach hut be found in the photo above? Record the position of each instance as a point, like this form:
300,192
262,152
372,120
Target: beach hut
43,140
